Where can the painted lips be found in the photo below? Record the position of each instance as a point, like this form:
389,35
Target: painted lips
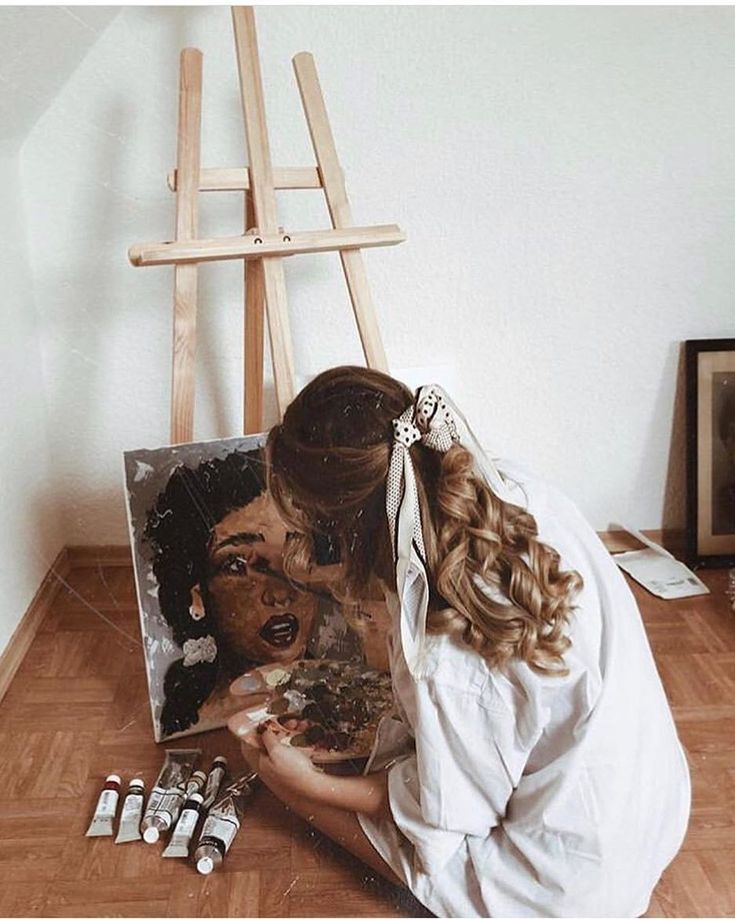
280,631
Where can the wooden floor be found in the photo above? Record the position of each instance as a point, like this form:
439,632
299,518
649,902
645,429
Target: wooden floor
78,709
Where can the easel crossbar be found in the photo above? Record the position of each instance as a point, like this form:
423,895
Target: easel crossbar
252,246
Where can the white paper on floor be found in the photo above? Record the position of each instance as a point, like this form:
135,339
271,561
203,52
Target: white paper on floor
658,571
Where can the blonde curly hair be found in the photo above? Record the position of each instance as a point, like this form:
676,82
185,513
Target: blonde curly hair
327,469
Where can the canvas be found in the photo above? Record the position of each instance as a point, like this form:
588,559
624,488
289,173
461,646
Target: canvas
214,601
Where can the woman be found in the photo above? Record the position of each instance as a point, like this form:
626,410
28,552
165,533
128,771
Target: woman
536,769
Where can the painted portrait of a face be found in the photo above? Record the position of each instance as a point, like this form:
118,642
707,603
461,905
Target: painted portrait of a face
215,601
259,613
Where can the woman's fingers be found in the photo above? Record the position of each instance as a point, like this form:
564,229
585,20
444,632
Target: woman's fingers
270,740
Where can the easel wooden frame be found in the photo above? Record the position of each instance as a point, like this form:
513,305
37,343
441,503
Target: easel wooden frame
264,244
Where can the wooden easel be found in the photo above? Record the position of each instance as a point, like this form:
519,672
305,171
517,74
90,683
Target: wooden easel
264,244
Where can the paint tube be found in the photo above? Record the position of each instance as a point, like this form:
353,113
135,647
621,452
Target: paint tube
167,796
178,847
216,775
132,811
104,813
222,824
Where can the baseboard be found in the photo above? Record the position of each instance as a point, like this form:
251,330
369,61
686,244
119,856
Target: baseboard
25,631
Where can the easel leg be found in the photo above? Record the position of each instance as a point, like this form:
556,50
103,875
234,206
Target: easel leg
254,333
264,200
186,276
330,170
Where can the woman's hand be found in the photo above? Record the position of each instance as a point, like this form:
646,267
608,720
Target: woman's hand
285,767
290,774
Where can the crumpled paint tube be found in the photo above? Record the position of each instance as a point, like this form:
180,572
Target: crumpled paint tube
132,811
222,824
178,847
104,813
167,796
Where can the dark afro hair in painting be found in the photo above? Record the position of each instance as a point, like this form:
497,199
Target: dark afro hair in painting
179,527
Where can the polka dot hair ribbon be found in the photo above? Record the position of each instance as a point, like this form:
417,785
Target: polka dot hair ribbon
437,423
431,421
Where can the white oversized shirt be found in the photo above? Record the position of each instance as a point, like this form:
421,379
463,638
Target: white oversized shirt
519,794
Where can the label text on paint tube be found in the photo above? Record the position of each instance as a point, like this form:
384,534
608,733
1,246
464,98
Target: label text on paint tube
223,825
187,822
108,803
129,829
133,805
154,801
178,847
170,805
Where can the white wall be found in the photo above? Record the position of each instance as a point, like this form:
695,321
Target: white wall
565,177
30,534
39,47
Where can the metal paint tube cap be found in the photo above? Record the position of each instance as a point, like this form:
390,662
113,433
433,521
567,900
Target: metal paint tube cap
208,858
114,778
136,783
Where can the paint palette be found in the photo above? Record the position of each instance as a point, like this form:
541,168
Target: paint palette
329,709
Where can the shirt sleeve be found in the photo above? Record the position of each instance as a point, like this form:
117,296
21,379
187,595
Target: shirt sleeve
461,776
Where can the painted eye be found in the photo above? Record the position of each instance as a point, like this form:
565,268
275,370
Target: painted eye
236,564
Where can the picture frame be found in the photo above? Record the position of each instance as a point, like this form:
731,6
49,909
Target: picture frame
710,459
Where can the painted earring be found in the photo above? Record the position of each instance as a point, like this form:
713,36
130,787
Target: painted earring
196,609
